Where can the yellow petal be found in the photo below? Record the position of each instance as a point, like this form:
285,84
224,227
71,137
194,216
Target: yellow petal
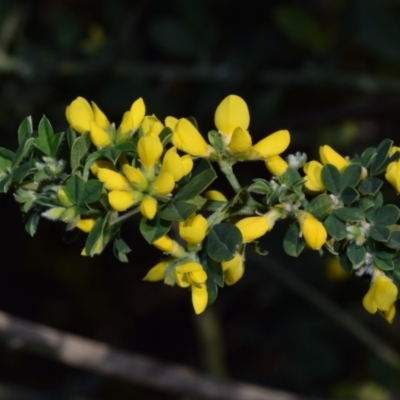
135,176
276,165
330,156
198,277
314,232
199,298
164,243
149,150
157,273
121,200
194,230
253,228
86,224
187,138
187,163
99,116
313,177
272,145
181,279
148,207
393,175
102,164
126,126
138,111
98,136
233,269
189,266
170,122
172,163
240,142
385,292
230,114
369,302
79,114
164,183
151,125
389,315
215,195
112,180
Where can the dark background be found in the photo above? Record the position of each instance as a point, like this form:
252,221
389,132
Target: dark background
327,70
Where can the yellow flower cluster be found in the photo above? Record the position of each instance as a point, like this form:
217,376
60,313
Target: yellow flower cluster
393,171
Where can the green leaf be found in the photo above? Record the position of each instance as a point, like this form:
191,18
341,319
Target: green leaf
335,227
350,176
44,141
177,211
22,152
92,192
383,264
259,186
320,206
293,244
215,140
212,268
94,236
5,183
349,195
370,185
394,241
223,241
121,246
365,204
153,229
32,222
25,130
355,253
71,136
330,176
75,189
346,264
165,135
387,215
79,149
197,184
212,290
290,177
366,156
349,214
382,153
379,233
23,170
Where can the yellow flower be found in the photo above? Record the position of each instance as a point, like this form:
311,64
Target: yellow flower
230,114
99,116
240,141
330,156
126,126
187,138
272,145
233,269
392,175
175,164
112,179
99,136
152,126
381,297
149,149
79,114
191,274
194,229
170,122
138,111
276,165
121,200
148,207
157,273
164,183
253,228
215,195
313,179
314,232
86,224
102,164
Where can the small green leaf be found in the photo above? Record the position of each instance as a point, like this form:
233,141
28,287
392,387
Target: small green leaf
22,152
153,229
350,176
44,141
25,130
215,140
382,153
330,176
31,223
260,186
290,177
293,244
212,268
212,290
223,241
394,241
365,204
320,206
5,183
79,148
165,135
366,156
71,136
370,185
346,264
387,215
335,227
177,211
94,236
92,192
379,233
355,253
349,195
349,214
75,189
383,264
23,170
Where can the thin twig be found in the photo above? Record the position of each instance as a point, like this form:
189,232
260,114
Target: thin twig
98,357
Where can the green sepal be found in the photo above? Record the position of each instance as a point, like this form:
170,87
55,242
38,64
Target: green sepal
200,180
153,229
223,241
356,254
79,149
350,176
349,214
335,227
25,130
349,195
330,176
177,211
320,206
370,185
75,188
95,235
215,140
378,163
380,233
293,244
32,222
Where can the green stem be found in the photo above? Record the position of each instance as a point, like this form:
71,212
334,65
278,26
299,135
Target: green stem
125,217
226,168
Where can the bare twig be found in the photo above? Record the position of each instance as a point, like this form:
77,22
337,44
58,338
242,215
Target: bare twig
98,357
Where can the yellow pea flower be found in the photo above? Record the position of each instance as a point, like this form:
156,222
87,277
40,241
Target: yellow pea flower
170,122
112,180
149,149
138,111
215,195
86,224
157,273
148,207
330,156
164,183
233,269
381,297
79,114
102,164
230,114
152,126
99,136
166,244
392,175
99,116
272,145
276,165
187,163
314,232
240,142
135,176
313,179
121,200
126,126
172,163
194,229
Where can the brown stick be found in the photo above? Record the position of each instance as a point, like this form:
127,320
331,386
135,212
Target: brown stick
96,356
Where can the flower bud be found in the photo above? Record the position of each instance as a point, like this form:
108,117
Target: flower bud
233,269
194,229
330,156
164,183
148,207
79,114
157,273
276,165
240,141
98,136
272,145
86,224
149,150
314,232
121,200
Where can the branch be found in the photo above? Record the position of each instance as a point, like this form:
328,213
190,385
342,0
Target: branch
98,357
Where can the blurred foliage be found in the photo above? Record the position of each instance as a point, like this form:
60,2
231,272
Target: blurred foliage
327,70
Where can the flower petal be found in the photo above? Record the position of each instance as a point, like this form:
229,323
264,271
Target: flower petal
199,298
79,114
148,207
157,273
138,111
149,149
272,145
99,116
112,180
98,136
